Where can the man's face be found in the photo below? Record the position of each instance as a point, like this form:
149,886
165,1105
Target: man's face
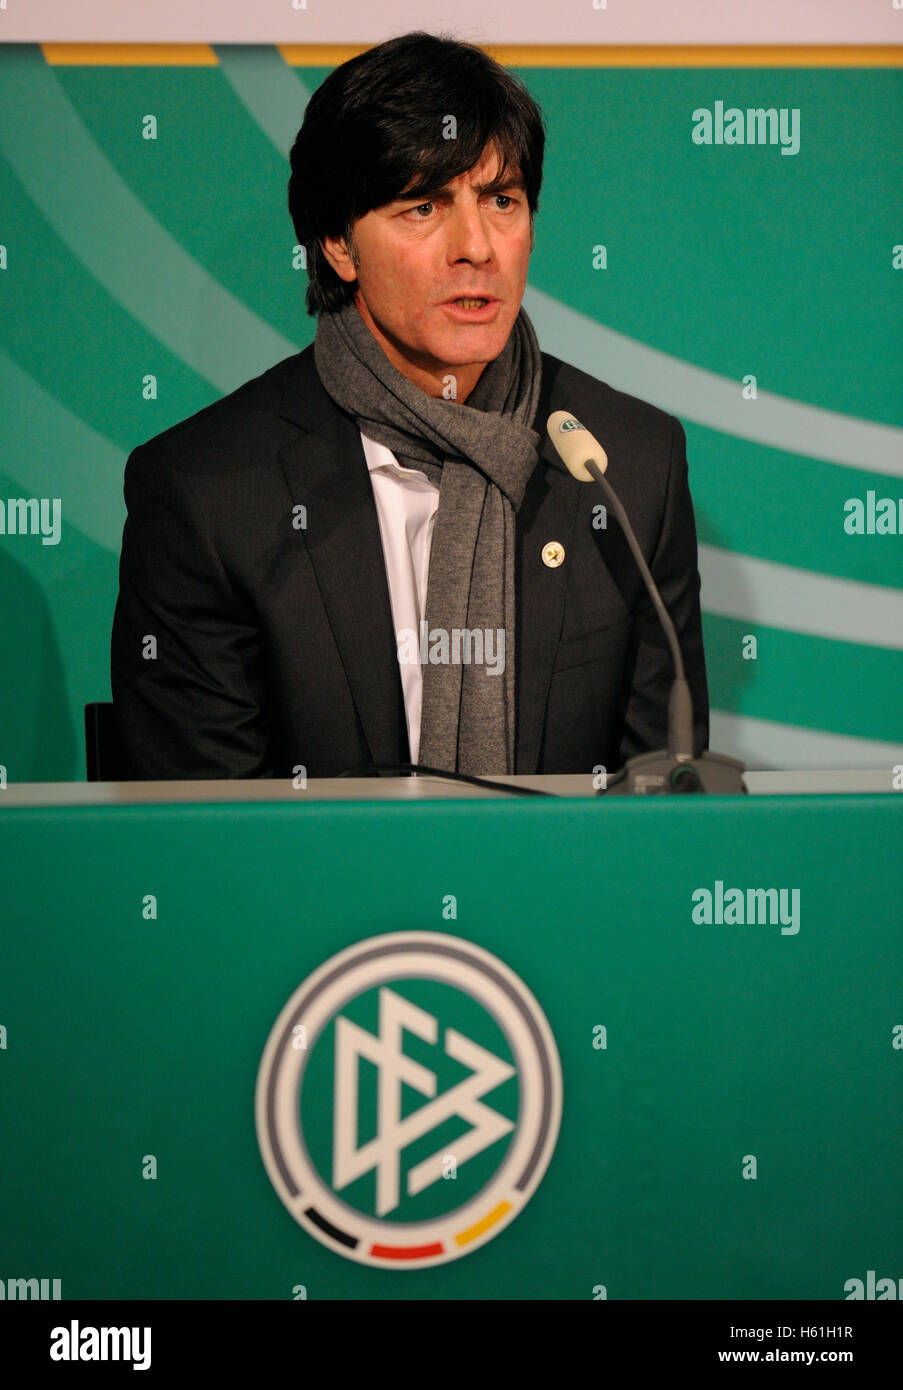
414,258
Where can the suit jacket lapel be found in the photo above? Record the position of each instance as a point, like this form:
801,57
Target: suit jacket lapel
548,513
327,473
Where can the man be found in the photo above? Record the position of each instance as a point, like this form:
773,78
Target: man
372,552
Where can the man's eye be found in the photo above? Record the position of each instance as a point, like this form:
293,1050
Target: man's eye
505,198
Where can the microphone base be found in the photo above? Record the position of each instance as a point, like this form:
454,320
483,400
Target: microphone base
660,774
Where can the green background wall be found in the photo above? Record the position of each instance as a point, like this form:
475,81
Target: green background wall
174,257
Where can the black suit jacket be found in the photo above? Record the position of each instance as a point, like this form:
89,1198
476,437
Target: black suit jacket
245,645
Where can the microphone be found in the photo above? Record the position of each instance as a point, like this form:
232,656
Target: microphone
674,769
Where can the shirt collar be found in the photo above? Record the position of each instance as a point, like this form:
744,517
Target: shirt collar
381,456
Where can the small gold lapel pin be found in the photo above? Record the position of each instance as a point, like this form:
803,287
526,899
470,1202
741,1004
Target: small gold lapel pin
553,554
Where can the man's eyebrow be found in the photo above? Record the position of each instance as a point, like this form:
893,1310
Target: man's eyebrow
494,185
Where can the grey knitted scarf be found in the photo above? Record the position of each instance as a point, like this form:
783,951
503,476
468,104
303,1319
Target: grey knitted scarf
481,453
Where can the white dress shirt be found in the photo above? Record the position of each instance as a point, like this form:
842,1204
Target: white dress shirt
406,504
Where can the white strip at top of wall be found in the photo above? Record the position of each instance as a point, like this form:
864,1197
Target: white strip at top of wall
503,22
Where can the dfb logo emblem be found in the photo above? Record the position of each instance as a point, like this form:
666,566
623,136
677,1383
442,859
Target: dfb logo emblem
408,1100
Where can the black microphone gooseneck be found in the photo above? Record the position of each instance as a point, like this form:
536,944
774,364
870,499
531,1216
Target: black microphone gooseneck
675,769
680,703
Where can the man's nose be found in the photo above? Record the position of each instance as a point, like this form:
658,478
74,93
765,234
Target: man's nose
468,236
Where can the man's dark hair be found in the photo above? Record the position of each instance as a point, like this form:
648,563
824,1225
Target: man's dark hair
374,130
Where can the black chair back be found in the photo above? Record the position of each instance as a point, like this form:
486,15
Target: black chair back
104,758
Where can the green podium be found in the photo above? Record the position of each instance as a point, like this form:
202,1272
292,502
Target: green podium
700,1054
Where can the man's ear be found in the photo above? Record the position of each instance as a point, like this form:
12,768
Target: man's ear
336,251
